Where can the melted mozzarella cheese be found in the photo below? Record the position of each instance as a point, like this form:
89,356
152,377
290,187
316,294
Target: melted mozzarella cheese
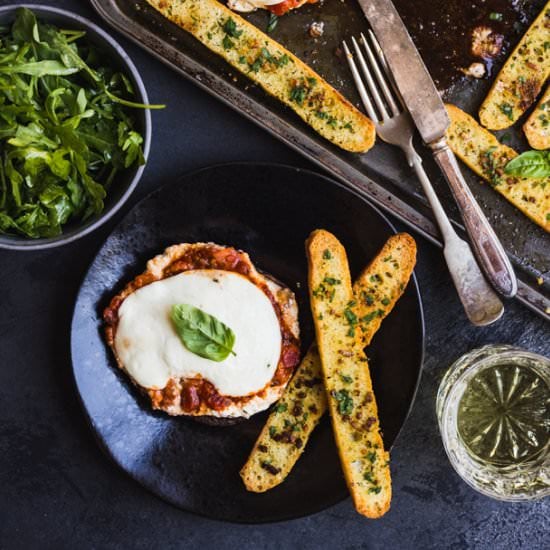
151,351
250,5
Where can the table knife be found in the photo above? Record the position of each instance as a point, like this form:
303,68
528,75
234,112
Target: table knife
432,121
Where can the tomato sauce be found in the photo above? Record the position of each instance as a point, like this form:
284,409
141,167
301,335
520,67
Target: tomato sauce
198,393
287,5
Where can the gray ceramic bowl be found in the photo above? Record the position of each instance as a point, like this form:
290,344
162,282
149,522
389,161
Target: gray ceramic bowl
125,181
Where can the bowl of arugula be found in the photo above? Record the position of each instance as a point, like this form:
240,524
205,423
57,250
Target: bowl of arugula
75,127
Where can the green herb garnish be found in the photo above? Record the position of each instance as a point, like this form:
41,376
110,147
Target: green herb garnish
531,164
345,402
203,334
350,316
283,60
230,28
367,298
227,43
65,127
491,165
367,476
272,22
507,110
298,93
366,319
346,379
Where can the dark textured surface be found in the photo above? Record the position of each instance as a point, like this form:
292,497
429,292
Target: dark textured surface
60,491
195,466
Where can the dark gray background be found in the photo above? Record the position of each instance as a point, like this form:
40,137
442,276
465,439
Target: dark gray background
57,490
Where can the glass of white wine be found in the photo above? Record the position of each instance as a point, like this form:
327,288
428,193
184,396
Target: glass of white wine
493,408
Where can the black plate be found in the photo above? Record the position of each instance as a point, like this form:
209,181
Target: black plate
268,211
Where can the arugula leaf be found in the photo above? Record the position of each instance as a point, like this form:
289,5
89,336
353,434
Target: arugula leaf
40,68
272,23
201,333
6,222
24,27
66,127
531,164
31,134
131,145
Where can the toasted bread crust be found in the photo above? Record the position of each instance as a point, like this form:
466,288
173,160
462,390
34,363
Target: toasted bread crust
487,157
346,376
537,126
172,398
275,69
521,78
305,393
381,284
291,422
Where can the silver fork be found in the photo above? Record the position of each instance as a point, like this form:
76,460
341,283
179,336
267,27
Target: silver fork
395,126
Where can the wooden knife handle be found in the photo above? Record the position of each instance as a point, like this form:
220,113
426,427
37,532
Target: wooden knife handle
489,251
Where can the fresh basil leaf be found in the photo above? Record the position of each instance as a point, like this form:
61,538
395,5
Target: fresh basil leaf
201,333
531,164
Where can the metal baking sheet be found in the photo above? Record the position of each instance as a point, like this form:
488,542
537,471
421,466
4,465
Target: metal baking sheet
382,174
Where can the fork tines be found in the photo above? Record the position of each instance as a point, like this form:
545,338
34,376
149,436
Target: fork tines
382,100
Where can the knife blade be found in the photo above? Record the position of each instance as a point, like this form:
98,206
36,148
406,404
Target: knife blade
428,112
409,71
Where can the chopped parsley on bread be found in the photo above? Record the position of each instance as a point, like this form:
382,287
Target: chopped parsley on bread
487,157
293,419
275,69
346,376
521,78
